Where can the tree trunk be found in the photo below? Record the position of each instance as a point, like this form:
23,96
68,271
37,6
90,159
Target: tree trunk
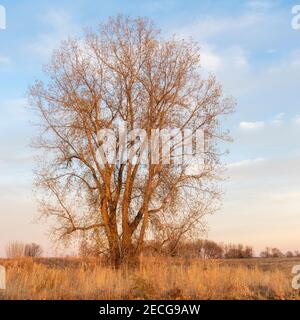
131,259
115,258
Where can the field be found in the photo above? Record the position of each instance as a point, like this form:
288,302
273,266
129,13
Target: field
156,278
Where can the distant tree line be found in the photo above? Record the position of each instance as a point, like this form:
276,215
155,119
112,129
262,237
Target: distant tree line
18,249
276,253
203,249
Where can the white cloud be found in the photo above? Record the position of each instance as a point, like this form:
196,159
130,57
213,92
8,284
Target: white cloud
260,4
297,120
235,42
246,163
267,172
208,27
226,61
4,60
278,119
60,26
252,125
209,59
158,6
279,115
15,107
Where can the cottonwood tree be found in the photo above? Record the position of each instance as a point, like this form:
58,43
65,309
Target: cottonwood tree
33,250
126,72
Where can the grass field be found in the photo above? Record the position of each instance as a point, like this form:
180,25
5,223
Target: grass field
156,278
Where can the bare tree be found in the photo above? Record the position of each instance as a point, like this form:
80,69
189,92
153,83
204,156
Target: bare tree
15,249
276,253
297,253
204,249
33,250
289,254
128,73
271,253
209,249
266,253
238,251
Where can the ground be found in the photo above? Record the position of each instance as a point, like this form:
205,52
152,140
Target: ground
156,278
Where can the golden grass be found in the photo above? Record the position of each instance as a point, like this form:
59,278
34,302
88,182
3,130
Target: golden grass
156,278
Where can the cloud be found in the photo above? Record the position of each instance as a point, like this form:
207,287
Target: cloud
16,103
11,160
297,120
260,4
208,27
209,59
214,59
246,54
252,125
59,26
273,167
246,163
15,108
278,120
4,61
158,6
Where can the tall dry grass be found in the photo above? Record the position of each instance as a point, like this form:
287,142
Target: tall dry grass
156,278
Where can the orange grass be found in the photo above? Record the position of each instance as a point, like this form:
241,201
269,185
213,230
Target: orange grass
156,278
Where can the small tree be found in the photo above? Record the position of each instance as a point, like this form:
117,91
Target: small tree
208,249
276,253
33,250
15,249
271,253
297,253
248,252
266,253
289,254
238,252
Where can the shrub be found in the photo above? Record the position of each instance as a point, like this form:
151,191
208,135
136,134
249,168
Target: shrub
33,250
15,249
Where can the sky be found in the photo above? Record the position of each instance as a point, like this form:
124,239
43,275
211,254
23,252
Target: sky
254,52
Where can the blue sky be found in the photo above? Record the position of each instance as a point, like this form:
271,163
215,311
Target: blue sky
249,45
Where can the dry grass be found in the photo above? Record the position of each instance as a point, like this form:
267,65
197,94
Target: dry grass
157,278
